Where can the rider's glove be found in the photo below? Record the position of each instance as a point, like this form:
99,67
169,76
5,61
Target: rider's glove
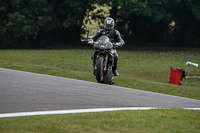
90,41
118,44
114,44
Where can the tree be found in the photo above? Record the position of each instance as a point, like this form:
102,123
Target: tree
23,20
39,23
184,13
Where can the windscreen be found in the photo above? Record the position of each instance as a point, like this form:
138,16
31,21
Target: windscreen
103,39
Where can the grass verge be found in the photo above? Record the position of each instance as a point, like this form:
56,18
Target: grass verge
151,121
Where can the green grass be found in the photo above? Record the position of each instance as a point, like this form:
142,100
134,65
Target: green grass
145,70
151,121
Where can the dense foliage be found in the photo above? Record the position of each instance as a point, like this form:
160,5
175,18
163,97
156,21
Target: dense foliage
167,22
40,23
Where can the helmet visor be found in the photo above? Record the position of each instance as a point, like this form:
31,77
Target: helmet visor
108,26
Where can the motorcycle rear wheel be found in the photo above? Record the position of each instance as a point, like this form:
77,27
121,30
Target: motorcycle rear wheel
99,74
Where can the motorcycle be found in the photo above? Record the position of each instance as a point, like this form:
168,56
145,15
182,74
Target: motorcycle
103,60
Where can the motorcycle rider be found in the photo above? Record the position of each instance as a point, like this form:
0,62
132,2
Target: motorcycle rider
114,37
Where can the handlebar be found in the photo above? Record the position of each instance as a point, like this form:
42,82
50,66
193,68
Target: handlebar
91,42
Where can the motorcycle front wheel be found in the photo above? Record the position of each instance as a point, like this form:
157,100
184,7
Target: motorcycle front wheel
99,74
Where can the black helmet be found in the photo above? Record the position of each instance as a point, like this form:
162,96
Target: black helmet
109,24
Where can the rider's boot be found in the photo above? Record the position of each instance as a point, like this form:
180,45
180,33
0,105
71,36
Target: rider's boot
93,59
115,69
94,70
113,82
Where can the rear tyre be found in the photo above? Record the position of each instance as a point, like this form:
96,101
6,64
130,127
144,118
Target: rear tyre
99,74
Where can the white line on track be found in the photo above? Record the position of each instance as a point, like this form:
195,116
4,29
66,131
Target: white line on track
56,112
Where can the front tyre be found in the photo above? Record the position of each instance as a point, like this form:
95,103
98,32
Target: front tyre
99,74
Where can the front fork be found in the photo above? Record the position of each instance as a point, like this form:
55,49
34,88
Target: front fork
95,57
106,60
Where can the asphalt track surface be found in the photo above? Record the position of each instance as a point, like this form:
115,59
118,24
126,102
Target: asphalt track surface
27,92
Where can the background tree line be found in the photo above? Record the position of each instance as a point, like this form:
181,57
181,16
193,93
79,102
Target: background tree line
41,23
